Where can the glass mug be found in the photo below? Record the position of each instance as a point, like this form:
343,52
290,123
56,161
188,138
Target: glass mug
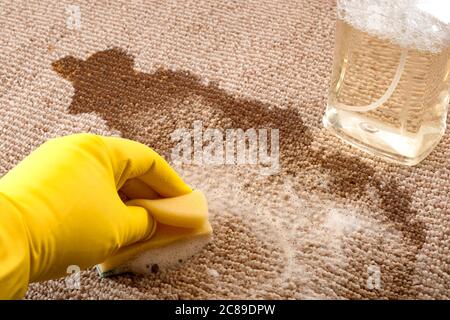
389,90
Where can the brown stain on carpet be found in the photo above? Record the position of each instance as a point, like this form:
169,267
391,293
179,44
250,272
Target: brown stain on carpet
148,107
135,103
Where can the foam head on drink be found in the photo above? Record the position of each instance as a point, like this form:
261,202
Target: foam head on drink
419,24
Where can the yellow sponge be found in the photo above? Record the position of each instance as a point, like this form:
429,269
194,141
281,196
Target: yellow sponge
181,229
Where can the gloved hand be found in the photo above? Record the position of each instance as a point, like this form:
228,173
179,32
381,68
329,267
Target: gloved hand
60,206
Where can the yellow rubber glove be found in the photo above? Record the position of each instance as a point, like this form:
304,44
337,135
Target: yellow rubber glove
60,206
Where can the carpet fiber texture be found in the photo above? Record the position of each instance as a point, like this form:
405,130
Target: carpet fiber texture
331,222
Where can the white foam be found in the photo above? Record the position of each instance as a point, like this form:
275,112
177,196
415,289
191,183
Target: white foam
418,24
165,258
213,273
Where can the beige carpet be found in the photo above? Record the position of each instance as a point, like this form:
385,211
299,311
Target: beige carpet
330,224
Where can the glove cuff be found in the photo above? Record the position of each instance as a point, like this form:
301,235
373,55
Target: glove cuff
14,251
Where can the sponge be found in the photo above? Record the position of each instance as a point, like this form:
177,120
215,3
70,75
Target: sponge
181,229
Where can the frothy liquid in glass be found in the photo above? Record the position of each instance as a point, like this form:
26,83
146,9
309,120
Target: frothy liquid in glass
388,97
